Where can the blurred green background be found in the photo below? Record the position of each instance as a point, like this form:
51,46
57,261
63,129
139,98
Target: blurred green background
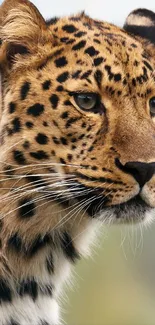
116,286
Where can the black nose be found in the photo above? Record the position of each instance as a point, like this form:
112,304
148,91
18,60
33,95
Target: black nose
142,172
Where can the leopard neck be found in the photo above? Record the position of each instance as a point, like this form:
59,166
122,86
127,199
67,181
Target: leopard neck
33,282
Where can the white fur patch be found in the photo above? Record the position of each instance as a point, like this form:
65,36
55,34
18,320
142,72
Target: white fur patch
27,312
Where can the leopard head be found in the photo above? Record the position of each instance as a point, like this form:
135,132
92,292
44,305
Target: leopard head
77,115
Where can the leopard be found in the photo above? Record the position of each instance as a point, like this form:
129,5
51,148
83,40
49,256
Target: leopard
77,146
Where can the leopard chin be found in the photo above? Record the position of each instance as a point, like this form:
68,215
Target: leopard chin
134,211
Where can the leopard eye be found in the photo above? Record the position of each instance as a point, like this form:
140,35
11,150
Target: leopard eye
87,101
152,106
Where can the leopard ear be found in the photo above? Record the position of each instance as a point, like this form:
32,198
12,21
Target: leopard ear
22,30
141,22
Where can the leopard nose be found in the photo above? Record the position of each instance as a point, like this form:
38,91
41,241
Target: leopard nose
142,172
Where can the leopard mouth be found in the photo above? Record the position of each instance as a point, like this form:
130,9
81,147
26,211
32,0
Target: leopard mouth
133,210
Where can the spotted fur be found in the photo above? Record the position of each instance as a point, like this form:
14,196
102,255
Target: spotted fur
64,170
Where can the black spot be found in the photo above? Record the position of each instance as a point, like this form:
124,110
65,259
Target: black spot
16,125
26,208
80,62
62,161
98,61
28,287
63,141
79,46
106,170
70,41
39,243
53,153
12,107
96,41
89,128
60,88
83,125
124,82
24,90
29,125
148,65
45,124
80,34
61,62
41,138
64,115
76,74
46,85
91,51
55,140
91,149
117,77
134,45
30,250
63,77
69,157
26,144
68,247
73,140
67,103
5,292
82,136
64,39
40,154
19,157
69,134
50,264
71,121
55,123
134,82
54,99
94,168
49,58
35,110
69,29
86,74
98,77
15,242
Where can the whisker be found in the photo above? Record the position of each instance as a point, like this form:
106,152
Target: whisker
50,164
14,145
60,222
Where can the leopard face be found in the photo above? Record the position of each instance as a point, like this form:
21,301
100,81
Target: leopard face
78,118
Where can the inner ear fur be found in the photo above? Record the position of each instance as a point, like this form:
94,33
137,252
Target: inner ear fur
22,29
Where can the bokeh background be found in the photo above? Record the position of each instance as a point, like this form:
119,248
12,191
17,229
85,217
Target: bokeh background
116,286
